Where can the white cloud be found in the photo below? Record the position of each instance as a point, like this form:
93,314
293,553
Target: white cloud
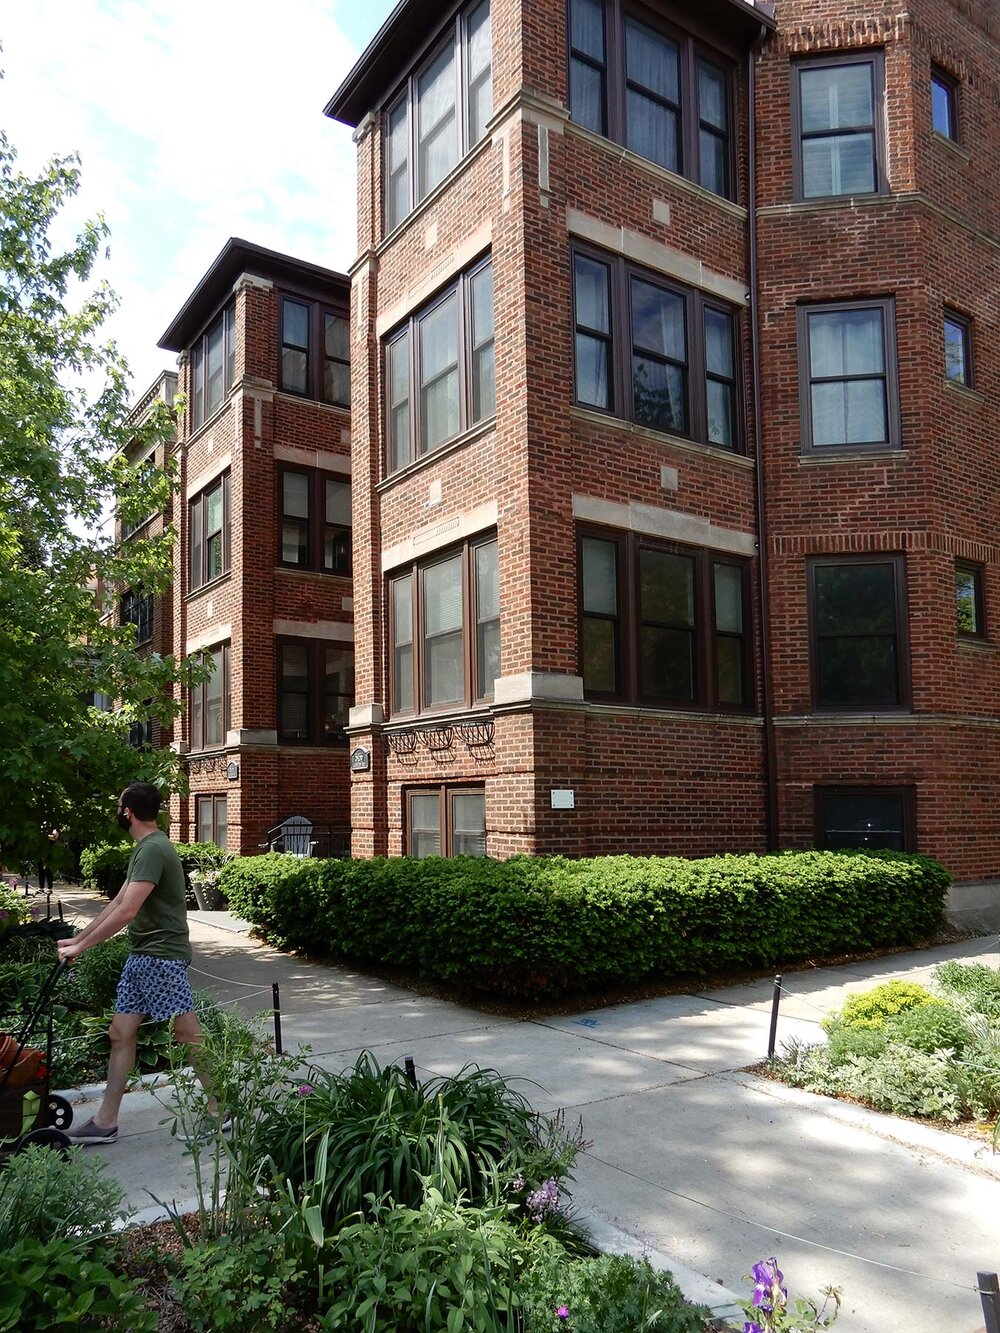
196,120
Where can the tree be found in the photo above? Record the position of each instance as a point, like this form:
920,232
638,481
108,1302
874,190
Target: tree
64,409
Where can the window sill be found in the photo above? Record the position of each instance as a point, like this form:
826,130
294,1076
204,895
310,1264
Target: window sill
952,145
890,717
298,572
195,593
880,454
313,746
337,409
449,717
470,436
621,425
640,711
206,426
628,157
975,644
803,207
964,391
428,201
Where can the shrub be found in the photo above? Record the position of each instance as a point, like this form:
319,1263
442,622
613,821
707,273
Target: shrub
535,926
930,1027
96,973
105,866
384,1137
54,1284
236,1286
202,856
607,1294
976,984
905,1082
249,882
15,908
45,1195
440,1266
871,1009
843,1041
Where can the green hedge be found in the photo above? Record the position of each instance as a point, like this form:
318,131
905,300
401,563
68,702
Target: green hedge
104,867
534,926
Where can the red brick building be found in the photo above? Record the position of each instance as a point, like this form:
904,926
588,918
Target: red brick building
262,576
674,505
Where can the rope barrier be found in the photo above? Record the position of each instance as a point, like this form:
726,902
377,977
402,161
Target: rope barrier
786,1235
229,981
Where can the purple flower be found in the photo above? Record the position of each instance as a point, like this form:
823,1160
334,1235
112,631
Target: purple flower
752,1327
769,1292
544,1201
562,1312
304,1090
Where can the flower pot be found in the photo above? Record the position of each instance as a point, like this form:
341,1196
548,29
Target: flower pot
208,897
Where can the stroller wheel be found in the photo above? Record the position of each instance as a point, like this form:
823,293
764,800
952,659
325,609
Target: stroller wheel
45,1138
60,1112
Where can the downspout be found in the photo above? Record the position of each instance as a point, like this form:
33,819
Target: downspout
767,703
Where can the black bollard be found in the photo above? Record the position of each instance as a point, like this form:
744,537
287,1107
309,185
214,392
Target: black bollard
276,1001
776,1000
989,1291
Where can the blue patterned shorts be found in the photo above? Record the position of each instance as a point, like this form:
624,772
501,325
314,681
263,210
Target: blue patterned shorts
158,987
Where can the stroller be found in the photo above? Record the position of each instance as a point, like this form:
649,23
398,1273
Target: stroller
29,1112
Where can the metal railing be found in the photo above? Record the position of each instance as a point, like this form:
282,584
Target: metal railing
325,840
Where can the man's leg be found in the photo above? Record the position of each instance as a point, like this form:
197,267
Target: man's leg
122,1032
188,1030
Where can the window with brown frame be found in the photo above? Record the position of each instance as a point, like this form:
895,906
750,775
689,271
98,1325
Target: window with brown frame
858,629
878,817
315,351
640,80
212,819
315,520
944,103
969,614
440,114
210,702
209,530
958,349
838,123
654,352
848,380
439,369
444,616
315,691
213,367
446,821
661,624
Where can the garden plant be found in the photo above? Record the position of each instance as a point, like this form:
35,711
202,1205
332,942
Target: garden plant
902,1048
537,927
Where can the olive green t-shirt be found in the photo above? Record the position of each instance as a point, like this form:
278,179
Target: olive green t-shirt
160,927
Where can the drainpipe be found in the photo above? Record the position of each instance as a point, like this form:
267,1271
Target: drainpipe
767,705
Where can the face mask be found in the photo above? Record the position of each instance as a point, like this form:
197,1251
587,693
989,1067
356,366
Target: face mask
124,820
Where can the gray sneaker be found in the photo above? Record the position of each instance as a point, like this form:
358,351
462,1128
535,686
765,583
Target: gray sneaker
91,1133
206,1129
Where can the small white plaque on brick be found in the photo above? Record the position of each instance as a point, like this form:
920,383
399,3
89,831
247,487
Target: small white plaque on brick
563,800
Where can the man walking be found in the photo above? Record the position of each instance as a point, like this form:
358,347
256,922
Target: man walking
154,981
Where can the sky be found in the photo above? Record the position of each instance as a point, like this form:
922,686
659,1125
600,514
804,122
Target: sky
195,120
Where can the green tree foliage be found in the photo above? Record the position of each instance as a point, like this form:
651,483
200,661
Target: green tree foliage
64,409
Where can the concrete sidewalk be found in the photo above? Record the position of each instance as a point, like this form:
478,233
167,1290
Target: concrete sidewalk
715,1168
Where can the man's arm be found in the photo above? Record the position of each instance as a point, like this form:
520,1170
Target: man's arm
105,911
117,914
